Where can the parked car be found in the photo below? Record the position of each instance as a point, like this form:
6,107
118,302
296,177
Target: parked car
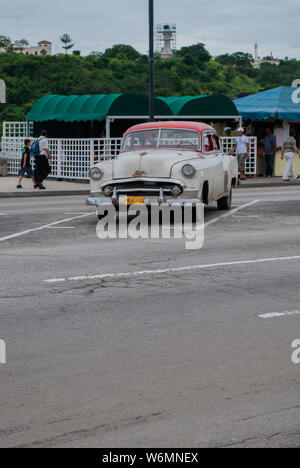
166,162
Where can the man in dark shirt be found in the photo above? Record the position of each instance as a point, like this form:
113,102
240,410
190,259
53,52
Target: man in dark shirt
270,150
26,165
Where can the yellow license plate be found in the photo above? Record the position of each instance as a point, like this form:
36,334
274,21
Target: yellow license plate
135,200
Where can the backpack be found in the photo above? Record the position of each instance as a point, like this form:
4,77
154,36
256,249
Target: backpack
35,148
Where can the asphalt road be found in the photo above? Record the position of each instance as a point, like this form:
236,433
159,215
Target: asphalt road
179,358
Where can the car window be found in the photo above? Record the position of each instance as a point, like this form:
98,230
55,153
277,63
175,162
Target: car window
208,143
216,142
180,139
136,141
211,142
162,139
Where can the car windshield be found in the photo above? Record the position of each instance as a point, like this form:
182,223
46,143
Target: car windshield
163,138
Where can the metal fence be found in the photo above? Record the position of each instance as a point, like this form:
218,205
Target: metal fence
72,158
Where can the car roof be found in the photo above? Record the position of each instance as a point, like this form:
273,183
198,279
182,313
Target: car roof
176,124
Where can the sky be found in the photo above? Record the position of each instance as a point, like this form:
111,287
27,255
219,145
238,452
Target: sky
94,25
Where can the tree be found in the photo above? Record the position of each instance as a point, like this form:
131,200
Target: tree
198,51
5,43
20,45
67,40
11,47
242,58
76,52
123,50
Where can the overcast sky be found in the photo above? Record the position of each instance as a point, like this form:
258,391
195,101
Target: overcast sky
224,26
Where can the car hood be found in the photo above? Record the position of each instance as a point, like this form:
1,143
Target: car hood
155,163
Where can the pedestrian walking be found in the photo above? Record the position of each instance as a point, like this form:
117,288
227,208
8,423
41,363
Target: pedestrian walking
26,165
242,150
289,149
42,161
270,150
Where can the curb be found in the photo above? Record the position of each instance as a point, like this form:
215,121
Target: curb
269,184
41,193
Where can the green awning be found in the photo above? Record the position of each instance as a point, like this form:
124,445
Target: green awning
97,107
92,107
216,105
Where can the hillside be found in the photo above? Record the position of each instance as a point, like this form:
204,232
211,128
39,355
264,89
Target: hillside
122,69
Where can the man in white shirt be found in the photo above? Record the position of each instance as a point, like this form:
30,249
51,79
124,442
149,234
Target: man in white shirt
42,166
242,150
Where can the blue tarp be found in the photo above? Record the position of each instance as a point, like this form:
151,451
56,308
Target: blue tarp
281,103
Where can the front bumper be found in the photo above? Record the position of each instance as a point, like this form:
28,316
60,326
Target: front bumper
148,201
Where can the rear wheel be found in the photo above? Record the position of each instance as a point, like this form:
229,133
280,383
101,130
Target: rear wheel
225,202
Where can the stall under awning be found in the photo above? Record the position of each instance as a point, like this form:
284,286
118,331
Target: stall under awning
282,103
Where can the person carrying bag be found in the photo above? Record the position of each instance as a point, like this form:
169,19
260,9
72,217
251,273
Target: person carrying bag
43,159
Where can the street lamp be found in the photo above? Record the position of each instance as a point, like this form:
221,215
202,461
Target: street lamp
151,61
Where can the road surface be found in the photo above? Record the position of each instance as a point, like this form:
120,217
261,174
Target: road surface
196,356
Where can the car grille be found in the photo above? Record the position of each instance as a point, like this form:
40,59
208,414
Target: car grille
143,188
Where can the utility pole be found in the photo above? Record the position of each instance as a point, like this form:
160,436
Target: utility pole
151,61
2,92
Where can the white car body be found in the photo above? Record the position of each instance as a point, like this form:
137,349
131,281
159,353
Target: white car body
154,173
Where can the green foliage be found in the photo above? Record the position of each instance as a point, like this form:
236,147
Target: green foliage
122,69
238,58
12,47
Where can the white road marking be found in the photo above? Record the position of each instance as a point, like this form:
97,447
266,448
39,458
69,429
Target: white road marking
23,233
19,234
230,213
61,227
170,270
279,314
245,216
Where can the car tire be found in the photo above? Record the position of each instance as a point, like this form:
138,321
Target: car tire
225,202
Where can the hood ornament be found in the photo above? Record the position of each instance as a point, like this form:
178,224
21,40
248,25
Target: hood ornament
139,174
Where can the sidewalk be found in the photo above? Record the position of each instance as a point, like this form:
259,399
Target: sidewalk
260,182
54,188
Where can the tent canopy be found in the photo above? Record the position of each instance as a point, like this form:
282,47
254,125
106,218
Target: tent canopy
97,107
214,105
281,103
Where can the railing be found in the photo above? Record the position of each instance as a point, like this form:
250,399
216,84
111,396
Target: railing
251,163
72,158
17,129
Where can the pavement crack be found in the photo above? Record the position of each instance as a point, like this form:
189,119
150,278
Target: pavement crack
80,434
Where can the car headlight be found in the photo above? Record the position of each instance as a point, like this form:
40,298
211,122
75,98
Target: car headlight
188,170
95,173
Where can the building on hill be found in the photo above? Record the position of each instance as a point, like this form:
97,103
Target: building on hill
42,48
258,61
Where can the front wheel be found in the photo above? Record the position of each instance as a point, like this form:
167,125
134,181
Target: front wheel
225,202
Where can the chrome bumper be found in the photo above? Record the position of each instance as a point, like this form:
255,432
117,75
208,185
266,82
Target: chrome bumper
101,201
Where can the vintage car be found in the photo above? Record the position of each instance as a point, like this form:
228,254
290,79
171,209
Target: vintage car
166,162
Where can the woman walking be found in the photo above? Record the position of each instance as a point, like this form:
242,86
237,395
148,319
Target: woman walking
289,149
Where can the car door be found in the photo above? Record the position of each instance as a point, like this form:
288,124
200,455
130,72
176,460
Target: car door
213,152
